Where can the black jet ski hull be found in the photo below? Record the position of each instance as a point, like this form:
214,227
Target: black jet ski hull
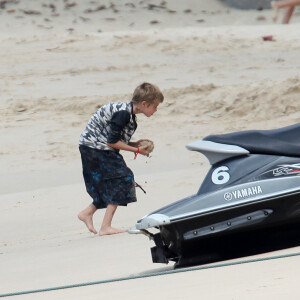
240,231
248,203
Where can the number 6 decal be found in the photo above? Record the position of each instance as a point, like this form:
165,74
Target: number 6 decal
220,176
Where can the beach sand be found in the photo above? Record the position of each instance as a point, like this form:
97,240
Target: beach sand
60,61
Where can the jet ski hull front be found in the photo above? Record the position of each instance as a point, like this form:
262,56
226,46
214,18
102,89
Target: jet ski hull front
248,229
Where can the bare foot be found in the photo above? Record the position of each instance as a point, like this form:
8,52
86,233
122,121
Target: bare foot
110,230
88,220
276,10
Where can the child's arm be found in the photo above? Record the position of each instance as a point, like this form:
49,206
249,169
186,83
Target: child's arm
118,121
122,146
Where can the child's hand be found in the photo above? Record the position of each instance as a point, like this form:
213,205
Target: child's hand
144,150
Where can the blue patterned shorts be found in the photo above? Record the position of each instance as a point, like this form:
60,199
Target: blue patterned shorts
107,178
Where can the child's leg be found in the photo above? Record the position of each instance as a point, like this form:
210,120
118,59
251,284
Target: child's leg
288,14
276,8
106,224
86,216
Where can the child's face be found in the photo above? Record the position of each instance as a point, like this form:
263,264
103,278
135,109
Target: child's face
149,109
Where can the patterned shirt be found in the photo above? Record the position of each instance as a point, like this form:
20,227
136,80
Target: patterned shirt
111,123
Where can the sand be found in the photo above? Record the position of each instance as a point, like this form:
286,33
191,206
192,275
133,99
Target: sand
60,61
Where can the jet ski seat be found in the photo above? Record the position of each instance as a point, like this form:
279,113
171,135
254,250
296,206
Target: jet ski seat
283,141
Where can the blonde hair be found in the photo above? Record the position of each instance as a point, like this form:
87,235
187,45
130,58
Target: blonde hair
147,92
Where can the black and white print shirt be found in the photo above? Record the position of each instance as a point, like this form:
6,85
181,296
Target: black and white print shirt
111,123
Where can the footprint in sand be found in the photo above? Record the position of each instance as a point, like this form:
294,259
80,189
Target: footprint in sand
31,12
130,4
69,5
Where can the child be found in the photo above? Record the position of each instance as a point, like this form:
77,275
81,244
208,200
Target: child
107,178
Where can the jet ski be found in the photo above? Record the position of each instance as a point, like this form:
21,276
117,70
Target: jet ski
248,203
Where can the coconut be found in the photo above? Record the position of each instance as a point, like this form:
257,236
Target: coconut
150,145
